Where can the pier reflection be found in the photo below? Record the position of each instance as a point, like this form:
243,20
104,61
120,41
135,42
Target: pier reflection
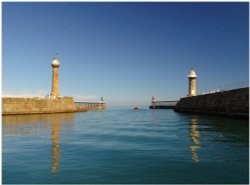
194,135
44,125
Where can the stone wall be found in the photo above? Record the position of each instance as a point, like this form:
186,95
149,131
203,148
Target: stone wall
37,105
229,103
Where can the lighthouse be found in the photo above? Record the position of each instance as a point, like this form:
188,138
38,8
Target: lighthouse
153,102
192,82
54,86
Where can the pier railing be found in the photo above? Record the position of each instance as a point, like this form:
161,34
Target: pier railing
163,104
228,87
89,104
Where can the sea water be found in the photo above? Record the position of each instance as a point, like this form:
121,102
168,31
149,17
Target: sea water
124,146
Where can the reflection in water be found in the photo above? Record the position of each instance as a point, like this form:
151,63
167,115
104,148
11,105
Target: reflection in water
55,144
38,124
194,135
153,116
124,147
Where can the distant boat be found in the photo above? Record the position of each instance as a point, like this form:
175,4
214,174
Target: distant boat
136,107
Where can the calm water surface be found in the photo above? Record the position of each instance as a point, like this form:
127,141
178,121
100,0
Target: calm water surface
124,146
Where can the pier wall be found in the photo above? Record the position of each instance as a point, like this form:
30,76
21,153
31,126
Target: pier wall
37,105
229,103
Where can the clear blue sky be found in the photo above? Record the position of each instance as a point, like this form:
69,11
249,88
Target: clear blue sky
126,52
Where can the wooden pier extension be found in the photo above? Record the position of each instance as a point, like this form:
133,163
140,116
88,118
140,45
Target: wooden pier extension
85,106
163,104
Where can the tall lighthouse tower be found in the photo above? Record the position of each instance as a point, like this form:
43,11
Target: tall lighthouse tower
54,86
192,82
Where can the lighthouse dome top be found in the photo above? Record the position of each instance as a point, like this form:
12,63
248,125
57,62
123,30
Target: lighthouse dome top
55,61
192,73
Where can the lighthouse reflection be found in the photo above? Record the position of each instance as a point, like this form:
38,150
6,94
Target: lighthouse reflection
55,144
40,126
194,135
58,122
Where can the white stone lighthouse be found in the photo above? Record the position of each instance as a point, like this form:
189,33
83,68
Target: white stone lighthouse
54,86
192,82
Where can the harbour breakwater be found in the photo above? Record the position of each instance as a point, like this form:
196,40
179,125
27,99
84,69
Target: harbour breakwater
229,103
13,106
37,105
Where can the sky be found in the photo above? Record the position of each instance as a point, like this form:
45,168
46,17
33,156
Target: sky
125,52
